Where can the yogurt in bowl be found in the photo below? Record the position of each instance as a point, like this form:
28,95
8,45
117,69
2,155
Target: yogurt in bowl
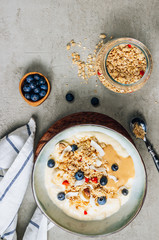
91,176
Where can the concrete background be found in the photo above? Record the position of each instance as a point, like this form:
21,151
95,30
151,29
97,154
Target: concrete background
33,36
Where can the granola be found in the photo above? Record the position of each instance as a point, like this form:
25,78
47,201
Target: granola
126,63
139,131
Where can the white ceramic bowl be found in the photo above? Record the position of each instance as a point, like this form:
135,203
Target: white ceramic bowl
109,225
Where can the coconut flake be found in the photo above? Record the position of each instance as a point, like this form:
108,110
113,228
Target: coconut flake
79,182
98,148
89,185
98,163
92,202
71,194
94,156
114,178
83,197
67,149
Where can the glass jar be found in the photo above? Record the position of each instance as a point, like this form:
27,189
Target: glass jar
102,71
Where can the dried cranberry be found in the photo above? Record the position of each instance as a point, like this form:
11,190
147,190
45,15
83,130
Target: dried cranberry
142,73
86,180
94,179
85,212
66,183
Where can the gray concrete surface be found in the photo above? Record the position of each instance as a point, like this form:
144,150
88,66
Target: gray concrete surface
33,36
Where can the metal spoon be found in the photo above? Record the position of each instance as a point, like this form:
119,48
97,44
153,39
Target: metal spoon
142,123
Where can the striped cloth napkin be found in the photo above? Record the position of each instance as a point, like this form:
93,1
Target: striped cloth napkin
16,163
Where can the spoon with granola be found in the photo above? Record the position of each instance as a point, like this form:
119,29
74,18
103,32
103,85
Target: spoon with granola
138,129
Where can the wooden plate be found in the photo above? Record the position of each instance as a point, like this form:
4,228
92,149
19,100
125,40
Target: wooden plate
108,225
78,119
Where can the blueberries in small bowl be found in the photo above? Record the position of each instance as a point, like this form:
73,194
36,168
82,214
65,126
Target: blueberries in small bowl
34,97
37,77
44,86
27,96
29,79
42,81
37,83
36,90
26,88
42,93
34,87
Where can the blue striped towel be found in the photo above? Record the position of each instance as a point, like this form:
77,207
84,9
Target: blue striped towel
16,163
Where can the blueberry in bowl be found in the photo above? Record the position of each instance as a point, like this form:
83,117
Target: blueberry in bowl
34,88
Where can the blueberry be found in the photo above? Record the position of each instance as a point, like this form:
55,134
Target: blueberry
32,84
103,181
61,196
37,90
36,76
42,93
44,86
69,97
42,81
29,79
115,167
95,101
74,147
51,163
79,175
27,96
125,191
26,88
35,97
101,200
37,83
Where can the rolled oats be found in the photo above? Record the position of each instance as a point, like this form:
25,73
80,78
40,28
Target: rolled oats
86,69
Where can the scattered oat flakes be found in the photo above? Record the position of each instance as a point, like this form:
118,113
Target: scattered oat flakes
86,69
102,36
68,46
